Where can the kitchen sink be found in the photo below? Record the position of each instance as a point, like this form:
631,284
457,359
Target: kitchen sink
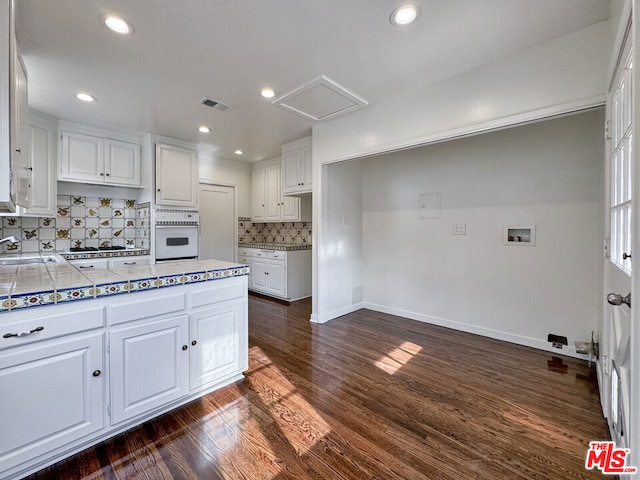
27,260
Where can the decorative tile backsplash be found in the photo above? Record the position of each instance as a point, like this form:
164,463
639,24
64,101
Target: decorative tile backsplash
81,222
290,233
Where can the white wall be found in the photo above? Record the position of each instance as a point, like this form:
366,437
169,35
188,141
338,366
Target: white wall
227,172
547,174
564,75
344,230
561,75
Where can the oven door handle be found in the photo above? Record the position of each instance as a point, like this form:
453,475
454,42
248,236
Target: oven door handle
194,225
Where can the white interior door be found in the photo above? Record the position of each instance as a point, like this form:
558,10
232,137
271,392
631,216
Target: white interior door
614,366
218,226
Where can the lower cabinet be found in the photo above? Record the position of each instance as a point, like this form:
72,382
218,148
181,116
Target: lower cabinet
149,366
75,374
217,343
52,394
283,274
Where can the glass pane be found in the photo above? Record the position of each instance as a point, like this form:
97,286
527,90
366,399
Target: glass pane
614,179
614,236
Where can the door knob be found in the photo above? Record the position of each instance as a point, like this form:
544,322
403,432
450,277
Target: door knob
617,299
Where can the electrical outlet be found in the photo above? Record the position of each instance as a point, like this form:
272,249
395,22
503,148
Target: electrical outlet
459,228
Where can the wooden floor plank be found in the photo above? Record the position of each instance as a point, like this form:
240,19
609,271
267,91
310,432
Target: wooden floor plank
367,395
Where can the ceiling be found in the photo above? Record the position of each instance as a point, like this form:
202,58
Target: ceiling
229,50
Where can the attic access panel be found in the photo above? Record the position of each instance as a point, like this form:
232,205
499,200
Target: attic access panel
320,99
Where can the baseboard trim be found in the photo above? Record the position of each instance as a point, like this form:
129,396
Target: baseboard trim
345,311
538,344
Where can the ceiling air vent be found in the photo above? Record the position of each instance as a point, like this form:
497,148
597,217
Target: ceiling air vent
210,102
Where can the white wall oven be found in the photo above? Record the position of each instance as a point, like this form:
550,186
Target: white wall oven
176,234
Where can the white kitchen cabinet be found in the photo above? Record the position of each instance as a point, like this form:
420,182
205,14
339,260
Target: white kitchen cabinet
95,159
14,127
52,395
122,163
20,138
281,274
42,155
297,167
90,264
149,366
177,176
136,260
268,204
217,348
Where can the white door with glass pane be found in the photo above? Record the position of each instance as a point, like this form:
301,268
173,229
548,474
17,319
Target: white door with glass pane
614,365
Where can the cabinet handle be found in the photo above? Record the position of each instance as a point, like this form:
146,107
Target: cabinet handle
101,174
194,343
30,169
97,373
130,263
18,150
159,190
85,266
23,334
108,174
184,347
626,255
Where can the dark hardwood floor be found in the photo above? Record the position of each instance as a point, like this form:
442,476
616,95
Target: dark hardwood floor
367,396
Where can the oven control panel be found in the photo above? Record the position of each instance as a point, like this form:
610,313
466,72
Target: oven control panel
170,216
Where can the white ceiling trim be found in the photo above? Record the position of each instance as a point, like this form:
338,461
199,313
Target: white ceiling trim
320,99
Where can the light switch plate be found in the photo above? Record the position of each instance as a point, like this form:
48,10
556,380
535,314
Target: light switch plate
459,228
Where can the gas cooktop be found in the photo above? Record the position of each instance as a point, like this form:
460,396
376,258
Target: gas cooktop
96,249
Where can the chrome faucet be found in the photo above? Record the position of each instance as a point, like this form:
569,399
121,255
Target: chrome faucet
10,239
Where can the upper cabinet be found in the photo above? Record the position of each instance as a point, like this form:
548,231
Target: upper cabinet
297,167
96,159
176,176
268,204
42,183
14,127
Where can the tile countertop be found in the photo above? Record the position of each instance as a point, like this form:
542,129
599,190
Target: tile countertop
49,283
276,246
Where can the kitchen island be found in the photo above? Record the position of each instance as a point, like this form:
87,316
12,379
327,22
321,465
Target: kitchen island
87,355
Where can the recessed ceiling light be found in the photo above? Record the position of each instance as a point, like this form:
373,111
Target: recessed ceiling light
85,97
267,93
118,24
238,152
404,14
204,129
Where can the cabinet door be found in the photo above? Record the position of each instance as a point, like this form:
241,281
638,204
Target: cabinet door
218,344
82,158
52,395
42,195
290,171
176,176
20,132
122,163
149,366
259,274
276,278
290,209
307,169
258,194
273,194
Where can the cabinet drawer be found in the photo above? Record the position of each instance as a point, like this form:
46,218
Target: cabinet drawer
260,253
277,255
244,252
129,261
144,308
92,264
246,260
215,292
50,326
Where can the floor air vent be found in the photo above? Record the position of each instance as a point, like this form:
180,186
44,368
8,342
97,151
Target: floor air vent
210,102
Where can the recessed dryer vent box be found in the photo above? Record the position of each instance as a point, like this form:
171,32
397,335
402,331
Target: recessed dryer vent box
520,235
